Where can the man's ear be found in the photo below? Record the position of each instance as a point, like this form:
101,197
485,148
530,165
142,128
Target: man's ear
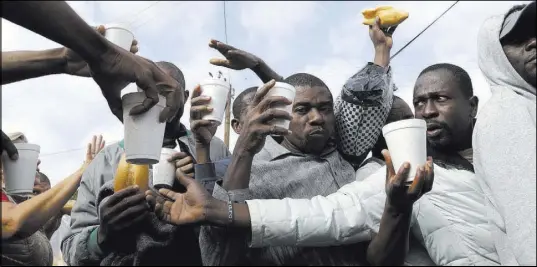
187,94
474,103
235,125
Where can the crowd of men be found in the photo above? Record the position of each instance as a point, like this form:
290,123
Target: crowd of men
307,195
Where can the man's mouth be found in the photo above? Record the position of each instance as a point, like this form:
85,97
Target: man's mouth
317,132
433,130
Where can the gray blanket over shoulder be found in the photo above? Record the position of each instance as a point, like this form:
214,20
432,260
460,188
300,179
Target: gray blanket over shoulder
161,243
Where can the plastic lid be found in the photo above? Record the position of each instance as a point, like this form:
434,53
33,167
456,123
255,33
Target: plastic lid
215,81
402,124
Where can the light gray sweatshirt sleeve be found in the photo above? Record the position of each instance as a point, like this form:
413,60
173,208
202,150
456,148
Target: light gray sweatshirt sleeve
504,159
79,245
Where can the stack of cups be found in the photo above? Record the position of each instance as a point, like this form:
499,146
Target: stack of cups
19,175
144,133
164,171
288,91
407,142
218,91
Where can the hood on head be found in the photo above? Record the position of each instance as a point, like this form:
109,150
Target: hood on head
493,62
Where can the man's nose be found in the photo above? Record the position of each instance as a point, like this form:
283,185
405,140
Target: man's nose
316,118
430,110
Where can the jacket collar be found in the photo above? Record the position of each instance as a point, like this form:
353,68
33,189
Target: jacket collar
276,150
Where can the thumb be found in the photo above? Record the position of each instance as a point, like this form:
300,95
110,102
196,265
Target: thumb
183,179
376,25
168,193
219,62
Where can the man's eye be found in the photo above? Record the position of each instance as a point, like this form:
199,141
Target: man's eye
300,109
442,99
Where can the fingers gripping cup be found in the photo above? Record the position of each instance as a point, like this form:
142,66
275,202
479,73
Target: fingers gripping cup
143,133
164,171
19,174
119,35
288,91
218,90
406,140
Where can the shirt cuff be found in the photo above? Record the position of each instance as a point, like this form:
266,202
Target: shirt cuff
205,171
237,196
371,67
256,237
93,246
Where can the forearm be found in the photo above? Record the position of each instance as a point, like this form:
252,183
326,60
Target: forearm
203,154
35,212
390,246
22,65
382,56
238,172
217,214
57,21
265,73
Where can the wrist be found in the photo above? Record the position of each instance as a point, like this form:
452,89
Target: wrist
216,212
398,210
382,56
56,60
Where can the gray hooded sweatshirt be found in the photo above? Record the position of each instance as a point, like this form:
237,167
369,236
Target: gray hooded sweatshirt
504,150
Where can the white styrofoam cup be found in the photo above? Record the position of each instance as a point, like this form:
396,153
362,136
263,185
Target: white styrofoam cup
218,90
407,142
20,174
288,91
144,133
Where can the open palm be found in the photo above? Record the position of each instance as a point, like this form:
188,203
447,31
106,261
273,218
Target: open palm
235,58
177,208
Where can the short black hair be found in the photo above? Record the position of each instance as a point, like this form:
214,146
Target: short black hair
239,105
43,178
304,79
461,76
175,72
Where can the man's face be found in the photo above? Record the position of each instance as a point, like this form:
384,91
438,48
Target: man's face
313,120
520,49
237,123
40,186
448,112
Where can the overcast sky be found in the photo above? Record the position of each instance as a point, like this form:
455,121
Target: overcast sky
327,39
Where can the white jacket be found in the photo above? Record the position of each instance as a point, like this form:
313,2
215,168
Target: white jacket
449,221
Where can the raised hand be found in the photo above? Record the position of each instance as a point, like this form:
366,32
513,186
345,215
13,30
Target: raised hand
235,58
203,130
257,119
180,209
75,65
381,37
94,147
399,195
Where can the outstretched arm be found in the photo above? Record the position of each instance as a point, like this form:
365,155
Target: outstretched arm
22,65
365,101
237,59
57,21
26,218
